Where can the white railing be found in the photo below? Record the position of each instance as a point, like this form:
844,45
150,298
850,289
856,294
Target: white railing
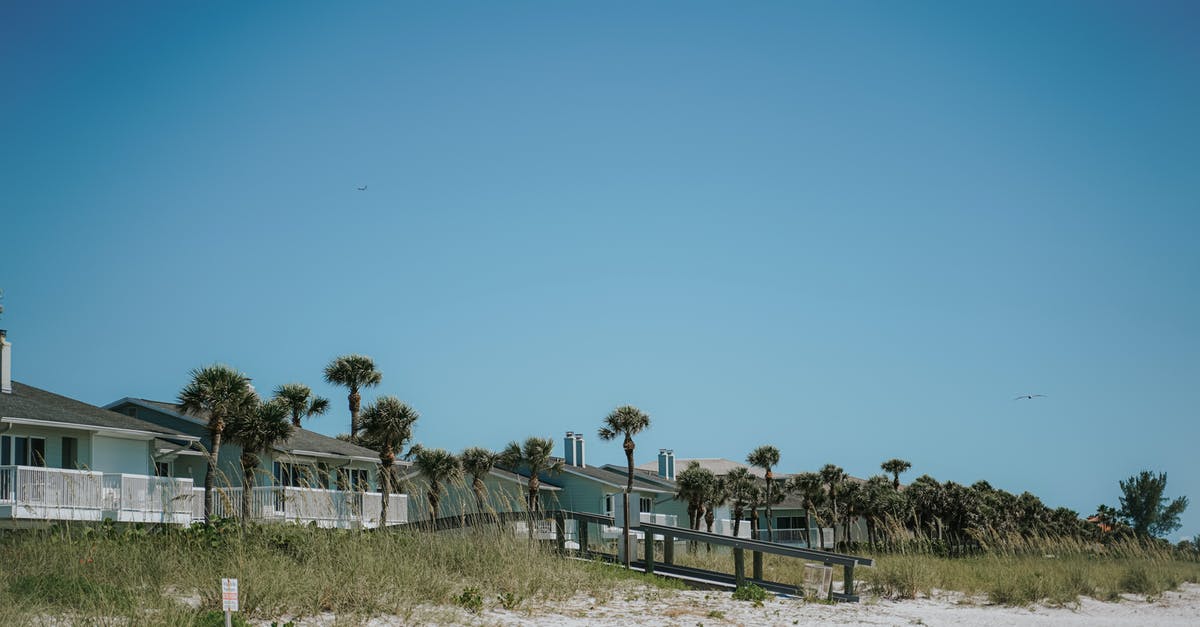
50,493
724,526
667,520
327,508
140,498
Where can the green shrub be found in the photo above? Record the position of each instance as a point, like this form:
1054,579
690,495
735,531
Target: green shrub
470,600
1139,580
509,601
750,592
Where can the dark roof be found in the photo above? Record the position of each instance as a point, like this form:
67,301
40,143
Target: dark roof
32,403
302,439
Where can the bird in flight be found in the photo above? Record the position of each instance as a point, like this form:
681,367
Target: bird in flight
363,188
1030,396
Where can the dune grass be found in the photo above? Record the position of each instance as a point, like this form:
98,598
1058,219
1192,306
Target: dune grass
171,577
1015,571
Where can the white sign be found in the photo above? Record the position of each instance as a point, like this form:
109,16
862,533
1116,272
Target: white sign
229,595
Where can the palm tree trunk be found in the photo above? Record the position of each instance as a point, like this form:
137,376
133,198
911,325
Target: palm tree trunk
385,480
479,487
247,491
737,519
770,529
209,498
355,401
628,488
433,503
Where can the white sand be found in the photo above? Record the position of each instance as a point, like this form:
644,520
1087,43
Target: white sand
648,606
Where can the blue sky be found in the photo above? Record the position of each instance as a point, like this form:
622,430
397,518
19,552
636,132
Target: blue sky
852,230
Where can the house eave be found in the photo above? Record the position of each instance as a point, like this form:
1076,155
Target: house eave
116,432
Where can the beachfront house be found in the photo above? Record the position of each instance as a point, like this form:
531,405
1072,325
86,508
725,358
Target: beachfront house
66,460
600,489
310,478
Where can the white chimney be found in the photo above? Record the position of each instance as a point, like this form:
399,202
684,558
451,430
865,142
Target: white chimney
5,363
579,461
569,449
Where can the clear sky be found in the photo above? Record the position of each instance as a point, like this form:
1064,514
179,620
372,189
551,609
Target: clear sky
852,230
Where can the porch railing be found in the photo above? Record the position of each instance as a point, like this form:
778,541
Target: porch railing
144,497
39,492
327,508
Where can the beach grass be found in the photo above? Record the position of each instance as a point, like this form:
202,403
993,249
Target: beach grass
171,577
1018,572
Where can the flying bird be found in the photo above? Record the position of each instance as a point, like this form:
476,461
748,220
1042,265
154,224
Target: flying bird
1031,396
363,188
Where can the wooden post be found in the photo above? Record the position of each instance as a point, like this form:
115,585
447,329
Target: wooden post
668,549
830,582
847,579
583,536
649,553
758,565
739,566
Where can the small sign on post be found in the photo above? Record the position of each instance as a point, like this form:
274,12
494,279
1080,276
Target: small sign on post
229,598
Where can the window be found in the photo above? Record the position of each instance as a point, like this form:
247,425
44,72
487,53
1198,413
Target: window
162,469
20,450
608,505
353,479
70,453
645,504
789,522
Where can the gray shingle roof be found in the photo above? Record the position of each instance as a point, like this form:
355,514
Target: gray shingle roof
302,439
32,403
616,478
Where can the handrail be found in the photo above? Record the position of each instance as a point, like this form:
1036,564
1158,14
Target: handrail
760,546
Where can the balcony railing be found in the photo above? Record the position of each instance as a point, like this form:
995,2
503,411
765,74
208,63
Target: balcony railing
37,493
343,509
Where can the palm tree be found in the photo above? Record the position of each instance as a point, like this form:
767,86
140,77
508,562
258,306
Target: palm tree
833,476
766,457
353,372
220,392
812,491
257,428
536,456
478,462
300,401
629,421
438,466
691,487
739,483
895,466
716,496
387,425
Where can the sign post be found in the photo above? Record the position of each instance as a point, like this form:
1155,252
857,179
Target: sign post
229,599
